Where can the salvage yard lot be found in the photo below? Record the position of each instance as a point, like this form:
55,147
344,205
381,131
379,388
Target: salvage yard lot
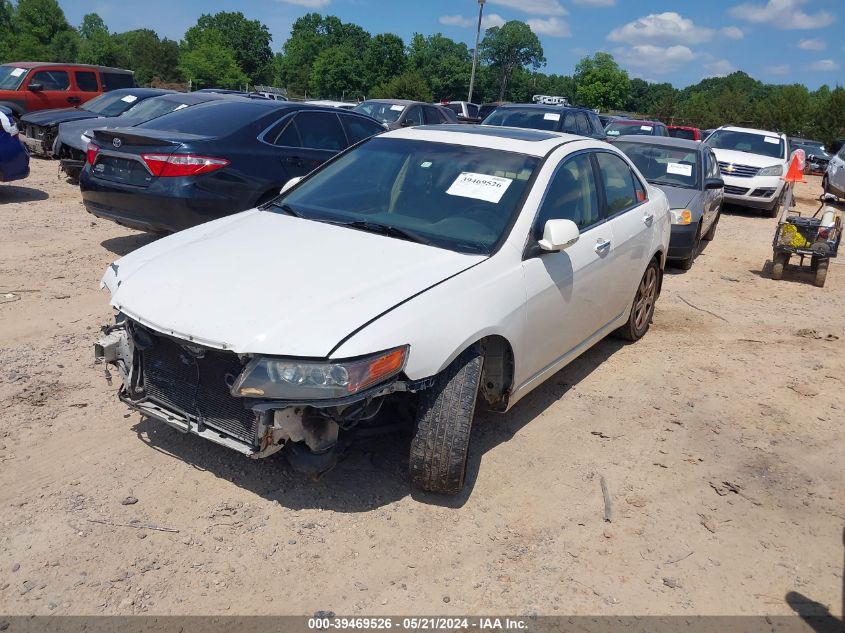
720,436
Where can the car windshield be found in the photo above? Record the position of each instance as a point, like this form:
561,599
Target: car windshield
682,133
110,104
384,112
662,165
621,128
812,149
154,107
749,142
11,77
450,196
529,118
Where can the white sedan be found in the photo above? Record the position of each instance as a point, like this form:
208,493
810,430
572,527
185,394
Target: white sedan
422,271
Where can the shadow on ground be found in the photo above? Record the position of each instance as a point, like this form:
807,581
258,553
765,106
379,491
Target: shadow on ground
374,472
125,244
792,272
817,615
13,193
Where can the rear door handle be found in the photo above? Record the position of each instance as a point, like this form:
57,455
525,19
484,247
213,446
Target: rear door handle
648,218
602,246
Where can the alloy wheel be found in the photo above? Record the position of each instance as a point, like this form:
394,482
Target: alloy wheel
646,296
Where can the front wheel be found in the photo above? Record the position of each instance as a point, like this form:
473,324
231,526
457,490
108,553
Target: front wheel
779,261
440,445
642,309
821,273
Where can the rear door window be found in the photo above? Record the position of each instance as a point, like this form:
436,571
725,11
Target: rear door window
583,124
86,81
618,182
51,79
415,116
472,110
320,130
358,128
113,81
569,123
433,116
284,134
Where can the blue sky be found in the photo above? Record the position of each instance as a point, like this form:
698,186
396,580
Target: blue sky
681,41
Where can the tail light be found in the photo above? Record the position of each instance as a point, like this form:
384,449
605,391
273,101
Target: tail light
93,150
172,165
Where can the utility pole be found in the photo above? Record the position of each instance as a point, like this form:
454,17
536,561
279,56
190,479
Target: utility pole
475,50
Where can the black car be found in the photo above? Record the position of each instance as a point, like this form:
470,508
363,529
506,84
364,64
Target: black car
38,130
211,160
817,157
572,120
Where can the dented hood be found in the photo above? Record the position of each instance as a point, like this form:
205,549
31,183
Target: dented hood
260,282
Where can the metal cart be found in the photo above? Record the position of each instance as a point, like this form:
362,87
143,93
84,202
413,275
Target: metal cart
816,238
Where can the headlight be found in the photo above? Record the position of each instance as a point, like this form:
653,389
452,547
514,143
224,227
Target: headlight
774,170
681,216
292,379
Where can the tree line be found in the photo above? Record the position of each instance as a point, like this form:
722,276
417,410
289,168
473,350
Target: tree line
325,57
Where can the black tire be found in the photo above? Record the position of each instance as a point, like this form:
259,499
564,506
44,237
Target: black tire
642,309
686,264
440,444
821,273
711,232
825,185
775,210
779,261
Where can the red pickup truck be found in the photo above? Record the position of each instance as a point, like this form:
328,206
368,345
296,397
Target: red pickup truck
30,86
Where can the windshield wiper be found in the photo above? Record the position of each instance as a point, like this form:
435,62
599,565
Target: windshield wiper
386,229
289,210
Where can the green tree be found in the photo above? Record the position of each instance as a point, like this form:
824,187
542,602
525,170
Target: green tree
150,57
384,59
41,32
209,62
409,85
600,83
6,33
787,109
247,40
443,62
97,46
337,71
508,47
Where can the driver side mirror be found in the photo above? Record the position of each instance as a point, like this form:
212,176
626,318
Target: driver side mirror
714,183
36,87
559,235
290,184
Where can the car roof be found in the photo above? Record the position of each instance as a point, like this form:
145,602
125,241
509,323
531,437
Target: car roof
637,121
682,127
665,141
523,141
397,101
750,130
543,106
64,65
142,91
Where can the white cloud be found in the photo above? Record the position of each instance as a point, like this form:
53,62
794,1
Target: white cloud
552,27
732,32
825,65
534,7
667,28
488,21
311,4
812,45
595,3
777,69
657,59
718,68
782,14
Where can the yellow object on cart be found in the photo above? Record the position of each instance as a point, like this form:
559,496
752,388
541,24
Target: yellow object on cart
791,236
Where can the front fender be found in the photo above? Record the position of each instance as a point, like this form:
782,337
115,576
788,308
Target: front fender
485,300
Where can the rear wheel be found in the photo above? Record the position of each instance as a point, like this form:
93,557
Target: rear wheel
440,445
821,273
779,261
642,309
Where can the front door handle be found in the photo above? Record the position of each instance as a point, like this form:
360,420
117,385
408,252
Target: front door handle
602,246
73,99
648,218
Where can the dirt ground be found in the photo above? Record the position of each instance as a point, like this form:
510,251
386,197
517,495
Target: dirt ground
720,437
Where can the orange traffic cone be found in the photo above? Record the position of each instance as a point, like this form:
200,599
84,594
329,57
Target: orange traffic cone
795,173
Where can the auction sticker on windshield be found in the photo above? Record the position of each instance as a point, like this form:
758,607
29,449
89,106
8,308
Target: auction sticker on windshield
551,116
772,140
397,108
479,187
646,128
17,72
130,99
678,169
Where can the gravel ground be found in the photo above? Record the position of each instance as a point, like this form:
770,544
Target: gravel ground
720,437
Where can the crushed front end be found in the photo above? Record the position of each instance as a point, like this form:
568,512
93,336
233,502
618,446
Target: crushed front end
199,390
39,139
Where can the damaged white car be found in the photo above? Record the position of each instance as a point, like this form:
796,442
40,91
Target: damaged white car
422,271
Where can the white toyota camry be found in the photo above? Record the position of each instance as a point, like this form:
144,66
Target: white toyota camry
424,270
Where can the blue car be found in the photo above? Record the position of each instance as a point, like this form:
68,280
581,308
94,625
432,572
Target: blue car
14,159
